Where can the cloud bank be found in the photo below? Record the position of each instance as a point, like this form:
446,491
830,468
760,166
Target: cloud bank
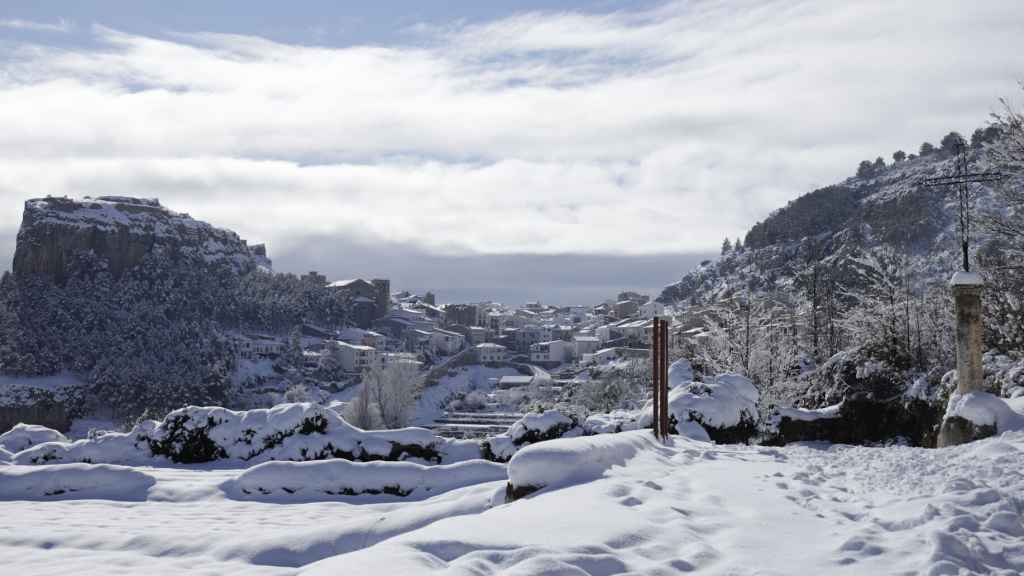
627,133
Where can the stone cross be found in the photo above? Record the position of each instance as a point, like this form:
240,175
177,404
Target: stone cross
966,285
962,178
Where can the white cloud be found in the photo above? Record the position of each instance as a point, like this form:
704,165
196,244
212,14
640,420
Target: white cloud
60,26
629,132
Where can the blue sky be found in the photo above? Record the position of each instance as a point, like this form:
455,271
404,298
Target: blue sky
311,22
374,134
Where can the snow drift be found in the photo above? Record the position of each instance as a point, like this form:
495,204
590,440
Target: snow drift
85,481
24,436
330,479
573,460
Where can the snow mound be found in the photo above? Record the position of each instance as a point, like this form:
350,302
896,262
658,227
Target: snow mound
984,409
327,480
726,401
613,422
567,461
24,436
296,432
680,373
77,481
5,456
530,429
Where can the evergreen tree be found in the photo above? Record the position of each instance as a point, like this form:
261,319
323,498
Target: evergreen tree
726,246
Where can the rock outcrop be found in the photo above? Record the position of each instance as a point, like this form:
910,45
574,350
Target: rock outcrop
120,231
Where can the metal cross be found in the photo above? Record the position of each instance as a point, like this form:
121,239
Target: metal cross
961,178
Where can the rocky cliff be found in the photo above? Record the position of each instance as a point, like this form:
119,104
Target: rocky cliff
121,231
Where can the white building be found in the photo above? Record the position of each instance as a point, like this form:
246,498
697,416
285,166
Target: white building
489,352
356,357
652,309
361,337
446,342
552,351
585,345
254,346
602,356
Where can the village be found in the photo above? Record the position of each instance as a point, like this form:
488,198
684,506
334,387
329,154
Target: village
545,349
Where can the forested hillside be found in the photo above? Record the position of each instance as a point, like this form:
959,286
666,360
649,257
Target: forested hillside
845,289
139,302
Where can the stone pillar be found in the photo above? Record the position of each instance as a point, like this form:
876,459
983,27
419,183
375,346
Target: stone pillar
967,288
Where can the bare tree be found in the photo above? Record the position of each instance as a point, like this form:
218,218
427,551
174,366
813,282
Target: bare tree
1007,153
360,411
393,389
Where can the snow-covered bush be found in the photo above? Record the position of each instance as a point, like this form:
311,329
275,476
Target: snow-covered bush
725,406
531,428
986,410
73,481
325,479
1004,374
286,432
572,460
24,436
613,422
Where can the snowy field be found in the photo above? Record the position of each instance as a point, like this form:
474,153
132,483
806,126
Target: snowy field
634,508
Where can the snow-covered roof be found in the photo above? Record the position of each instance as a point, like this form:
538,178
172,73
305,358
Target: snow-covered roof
490,346
355,346
519,379
346,283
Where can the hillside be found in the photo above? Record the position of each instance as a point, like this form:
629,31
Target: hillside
835,225
843,294
141,303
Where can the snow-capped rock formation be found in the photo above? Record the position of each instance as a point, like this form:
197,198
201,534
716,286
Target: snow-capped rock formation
120,231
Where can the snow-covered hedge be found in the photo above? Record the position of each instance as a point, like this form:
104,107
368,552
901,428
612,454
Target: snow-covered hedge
73,481
24,436
286,432
326,479
572,460
531,428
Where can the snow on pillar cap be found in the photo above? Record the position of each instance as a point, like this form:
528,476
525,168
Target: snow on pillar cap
966,279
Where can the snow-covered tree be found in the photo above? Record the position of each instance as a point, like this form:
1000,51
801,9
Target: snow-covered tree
393,388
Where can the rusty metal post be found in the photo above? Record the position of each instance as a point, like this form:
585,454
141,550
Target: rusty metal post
663,340
656,379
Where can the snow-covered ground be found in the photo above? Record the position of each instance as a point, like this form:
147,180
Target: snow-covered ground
687,507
